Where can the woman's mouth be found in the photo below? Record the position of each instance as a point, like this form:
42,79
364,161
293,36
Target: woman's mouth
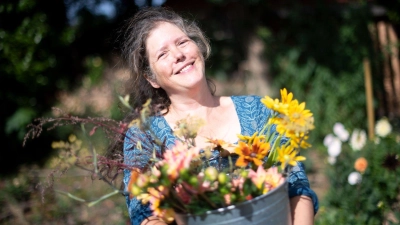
185,69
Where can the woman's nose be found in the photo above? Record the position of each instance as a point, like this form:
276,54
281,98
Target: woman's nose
178,55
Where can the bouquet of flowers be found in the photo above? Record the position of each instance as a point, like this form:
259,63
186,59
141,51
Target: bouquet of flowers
181,181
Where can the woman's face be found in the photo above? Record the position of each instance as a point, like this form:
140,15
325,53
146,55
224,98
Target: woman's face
174,59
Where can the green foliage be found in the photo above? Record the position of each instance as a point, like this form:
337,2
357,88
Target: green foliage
376,197
329,96
19,119
319,57
34,39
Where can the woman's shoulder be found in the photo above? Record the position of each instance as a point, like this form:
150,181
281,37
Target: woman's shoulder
246,101
156,123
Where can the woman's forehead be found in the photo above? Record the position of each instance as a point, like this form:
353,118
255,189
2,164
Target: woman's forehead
163,34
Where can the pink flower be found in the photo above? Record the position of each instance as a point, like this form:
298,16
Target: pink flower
274,178
237,184
258,177
178,158
266,179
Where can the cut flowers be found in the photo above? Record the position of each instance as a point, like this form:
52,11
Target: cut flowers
181,181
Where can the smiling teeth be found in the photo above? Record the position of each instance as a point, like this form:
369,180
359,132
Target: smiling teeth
185,69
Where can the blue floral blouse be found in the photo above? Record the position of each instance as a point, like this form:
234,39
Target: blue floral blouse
252,116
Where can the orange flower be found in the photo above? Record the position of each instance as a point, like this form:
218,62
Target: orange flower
254,152
134,175
225,148
361,164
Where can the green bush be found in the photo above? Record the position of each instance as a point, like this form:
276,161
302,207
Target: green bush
374,198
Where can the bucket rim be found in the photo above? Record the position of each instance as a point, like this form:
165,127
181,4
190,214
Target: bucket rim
219,210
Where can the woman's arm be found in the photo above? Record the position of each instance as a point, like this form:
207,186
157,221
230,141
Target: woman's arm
302,210
303,200
137,158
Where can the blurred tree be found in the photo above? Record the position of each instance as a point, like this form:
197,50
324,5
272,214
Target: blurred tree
34,64
40,54
318,54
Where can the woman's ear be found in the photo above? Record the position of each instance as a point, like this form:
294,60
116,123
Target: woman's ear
152,82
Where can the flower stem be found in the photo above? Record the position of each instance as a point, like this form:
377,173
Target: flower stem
202,195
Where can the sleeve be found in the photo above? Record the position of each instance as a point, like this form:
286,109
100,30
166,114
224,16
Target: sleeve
299,185
138,158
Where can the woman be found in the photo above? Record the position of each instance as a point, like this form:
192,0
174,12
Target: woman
166,55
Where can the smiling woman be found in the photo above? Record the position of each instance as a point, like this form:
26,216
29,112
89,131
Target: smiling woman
175,60
166,55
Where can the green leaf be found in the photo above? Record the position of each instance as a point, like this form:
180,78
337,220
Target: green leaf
19,120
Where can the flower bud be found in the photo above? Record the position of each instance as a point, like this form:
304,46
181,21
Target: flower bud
211,174
244,173
193,181
222,178
135,190
224,190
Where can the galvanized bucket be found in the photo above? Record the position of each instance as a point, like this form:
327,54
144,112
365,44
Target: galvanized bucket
270,209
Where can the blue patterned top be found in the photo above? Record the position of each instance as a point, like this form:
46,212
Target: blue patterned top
252,116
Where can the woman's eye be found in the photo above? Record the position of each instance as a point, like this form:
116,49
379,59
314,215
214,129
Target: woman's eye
161,55
183,42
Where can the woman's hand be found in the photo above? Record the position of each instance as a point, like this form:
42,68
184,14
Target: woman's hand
152,220
302,210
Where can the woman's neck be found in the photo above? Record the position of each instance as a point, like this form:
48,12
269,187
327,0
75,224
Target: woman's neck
195,105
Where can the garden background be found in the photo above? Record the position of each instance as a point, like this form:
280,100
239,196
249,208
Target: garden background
340,56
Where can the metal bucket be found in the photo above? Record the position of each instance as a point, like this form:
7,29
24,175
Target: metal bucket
272,208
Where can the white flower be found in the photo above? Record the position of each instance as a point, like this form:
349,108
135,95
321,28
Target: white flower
354,178
340,132
383,127
331,160
358,139
334,147
328,139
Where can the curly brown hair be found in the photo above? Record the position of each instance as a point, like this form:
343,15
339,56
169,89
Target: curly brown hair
135,34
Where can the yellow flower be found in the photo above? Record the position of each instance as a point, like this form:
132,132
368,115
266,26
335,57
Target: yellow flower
166,215
155,196
274,104
279,106
300,116
296,124
72,138
249,139
286,98
287,156
58,144
254,152
298,139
